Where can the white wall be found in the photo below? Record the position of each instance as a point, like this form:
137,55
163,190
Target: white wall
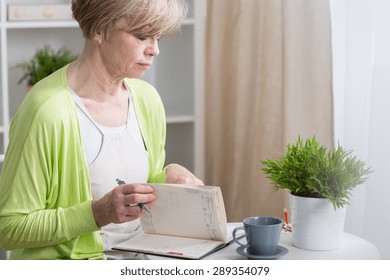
361,71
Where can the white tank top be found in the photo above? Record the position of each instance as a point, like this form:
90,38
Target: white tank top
113,153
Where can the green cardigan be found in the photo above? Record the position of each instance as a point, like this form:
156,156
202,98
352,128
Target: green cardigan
45,196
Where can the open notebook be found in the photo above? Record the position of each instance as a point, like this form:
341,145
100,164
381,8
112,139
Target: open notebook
186,221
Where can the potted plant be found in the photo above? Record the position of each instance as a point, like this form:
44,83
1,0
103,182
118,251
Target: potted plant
320,178
44,62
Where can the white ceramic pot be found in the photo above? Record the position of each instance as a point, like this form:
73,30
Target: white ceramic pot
316,225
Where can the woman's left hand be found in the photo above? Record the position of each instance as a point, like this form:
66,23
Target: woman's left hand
177,174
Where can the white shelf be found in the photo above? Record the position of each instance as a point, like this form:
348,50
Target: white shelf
189,21
180,119
178,115
40,24
56,24
177,74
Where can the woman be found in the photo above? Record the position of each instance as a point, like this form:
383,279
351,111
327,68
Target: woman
80,129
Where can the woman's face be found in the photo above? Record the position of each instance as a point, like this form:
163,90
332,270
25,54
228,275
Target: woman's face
125,55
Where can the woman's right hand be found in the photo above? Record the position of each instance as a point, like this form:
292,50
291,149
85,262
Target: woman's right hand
115,207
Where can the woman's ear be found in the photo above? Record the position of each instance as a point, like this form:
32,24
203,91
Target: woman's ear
97,38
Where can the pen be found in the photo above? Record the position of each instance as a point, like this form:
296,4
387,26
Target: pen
142,205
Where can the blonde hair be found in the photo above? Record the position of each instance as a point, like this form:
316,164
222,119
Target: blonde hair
144,18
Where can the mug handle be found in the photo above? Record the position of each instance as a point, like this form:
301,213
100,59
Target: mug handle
236,239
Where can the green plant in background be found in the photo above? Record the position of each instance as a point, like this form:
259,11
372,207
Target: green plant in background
44,62
310,170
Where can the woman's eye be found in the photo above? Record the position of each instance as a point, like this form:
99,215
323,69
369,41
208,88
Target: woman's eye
141,38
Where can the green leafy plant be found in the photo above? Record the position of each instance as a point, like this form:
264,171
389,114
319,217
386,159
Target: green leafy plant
44,62
311,170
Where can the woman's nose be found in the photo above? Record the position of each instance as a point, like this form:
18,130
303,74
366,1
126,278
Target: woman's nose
153,48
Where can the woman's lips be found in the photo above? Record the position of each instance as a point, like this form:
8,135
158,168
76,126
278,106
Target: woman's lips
144,66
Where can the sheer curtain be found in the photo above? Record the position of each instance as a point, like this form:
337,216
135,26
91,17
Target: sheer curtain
268,80
361,67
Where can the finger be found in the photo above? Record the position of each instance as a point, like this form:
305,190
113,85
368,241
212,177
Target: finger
136,198
125,213
192,181
133,214
150,204
200,183
135,188
132,211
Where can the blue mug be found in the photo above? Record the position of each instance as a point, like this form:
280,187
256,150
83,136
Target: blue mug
262,234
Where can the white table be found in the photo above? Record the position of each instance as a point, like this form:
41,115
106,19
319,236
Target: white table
353,248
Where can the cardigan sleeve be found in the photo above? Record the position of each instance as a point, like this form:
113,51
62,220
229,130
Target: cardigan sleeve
44,197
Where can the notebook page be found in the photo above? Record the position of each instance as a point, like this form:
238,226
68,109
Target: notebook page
169,245
187,211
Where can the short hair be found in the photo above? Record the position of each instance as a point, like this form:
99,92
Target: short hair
144,18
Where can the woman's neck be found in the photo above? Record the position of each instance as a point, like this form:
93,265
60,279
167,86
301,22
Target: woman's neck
88,75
